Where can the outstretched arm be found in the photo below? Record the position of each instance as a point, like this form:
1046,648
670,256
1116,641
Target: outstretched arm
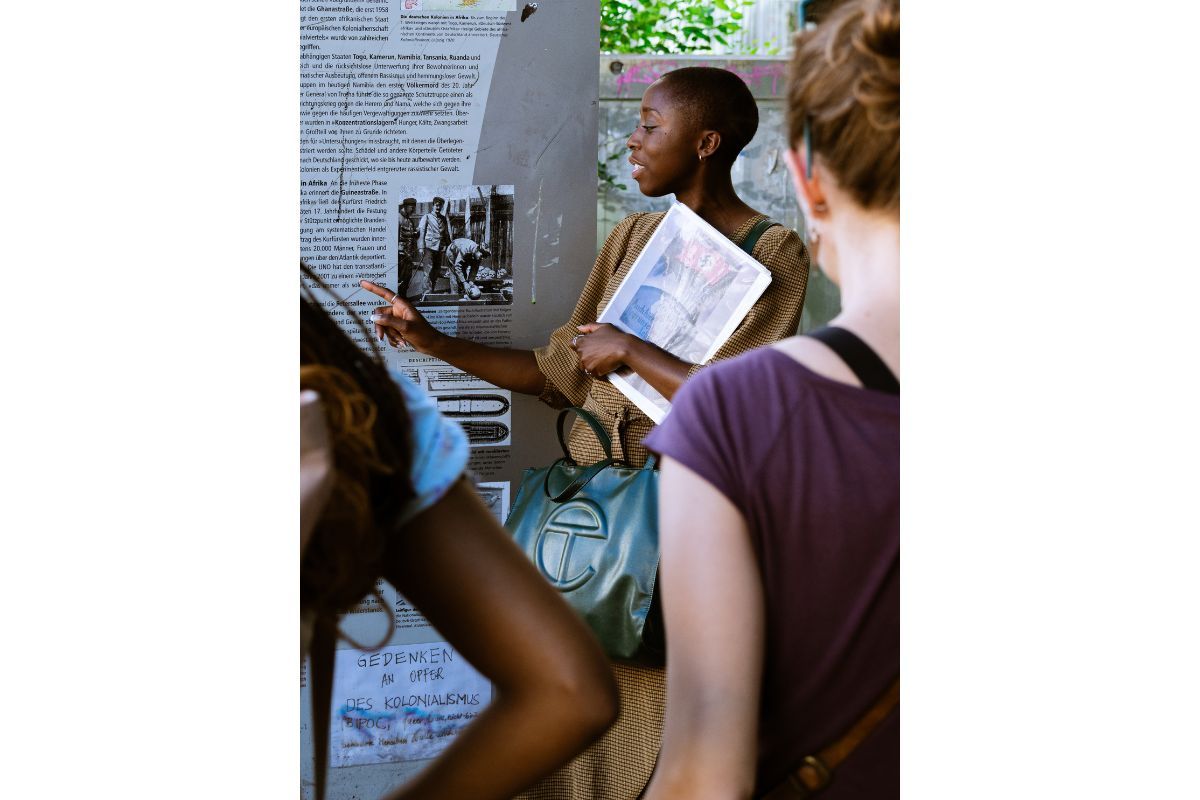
711,592
553,691
400,322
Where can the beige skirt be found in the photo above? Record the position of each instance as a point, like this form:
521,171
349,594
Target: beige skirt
618,766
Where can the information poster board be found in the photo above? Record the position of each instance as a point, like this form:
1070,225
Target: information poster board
447,151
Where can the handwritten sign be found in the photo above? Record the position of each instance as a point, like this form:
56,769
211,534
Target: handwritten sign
401,703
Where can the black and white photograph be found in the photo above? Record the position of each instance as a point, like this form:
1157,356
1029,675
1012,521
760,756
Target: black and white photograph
454,244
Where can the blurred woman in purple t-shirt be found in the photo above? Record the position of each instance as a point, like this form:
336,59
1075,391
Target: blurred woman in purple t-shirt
780,484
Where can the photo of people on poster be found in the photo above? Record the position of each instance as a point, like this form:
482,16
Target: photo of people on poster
454,245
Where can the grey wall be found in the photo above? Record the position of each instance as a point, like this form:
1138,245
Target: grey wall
539,133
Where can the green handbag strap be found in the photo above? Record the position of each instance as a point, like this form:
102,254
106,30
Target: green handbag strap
756,233
605,442
592,422
580,481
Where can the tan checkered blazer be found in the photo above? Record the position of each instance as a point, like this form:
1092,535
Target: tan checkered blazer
775,316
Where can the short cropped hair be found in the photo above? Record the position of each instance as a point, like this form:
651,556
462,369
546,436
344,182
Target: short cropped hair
718,100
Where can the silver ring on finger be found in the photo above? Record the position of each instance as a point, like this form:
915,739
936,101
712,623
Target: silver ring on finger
575,340
394,296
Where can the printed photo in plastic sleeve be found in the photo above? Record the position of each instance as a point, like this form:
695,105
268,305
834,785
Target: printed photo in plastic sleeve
687,292
454,244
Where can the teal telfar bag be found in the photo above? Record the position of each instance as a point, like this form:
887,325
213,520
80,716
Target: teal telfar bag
592,531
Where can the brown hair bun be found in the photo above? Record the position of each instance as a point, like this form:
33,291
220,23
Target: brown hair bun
878,39
844,81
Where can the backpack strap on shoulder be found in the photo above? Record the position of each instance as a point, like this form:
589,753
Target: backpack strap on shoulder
756,233
859,357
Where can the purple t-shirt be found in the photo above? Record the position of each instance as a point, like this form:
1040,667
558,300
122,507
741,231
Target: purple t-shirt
814,467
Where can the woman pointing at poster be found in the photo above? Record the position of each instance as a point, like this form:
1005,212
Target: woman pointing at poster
693,123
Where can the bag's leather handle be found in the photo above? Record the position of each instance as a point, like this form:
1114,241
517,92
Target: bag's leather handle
580,481
596,427
815,772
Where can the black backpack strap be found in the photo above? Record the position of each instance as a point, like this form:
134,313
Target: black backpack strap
755,234
859,357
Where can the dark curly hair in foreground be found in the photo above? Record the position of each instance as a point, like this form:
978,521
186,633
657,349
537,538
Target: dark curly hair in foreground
369,436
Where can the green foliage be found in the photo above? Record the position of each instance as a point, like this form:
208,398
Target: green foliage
668,26
607,179
767,48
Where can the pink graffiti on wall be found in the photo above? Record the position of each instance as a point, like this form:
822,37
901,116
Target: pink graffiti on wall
648,72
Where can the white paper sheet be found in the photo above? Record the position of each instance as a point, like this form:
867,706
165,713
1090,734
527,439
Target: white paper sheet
401,703
687,292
